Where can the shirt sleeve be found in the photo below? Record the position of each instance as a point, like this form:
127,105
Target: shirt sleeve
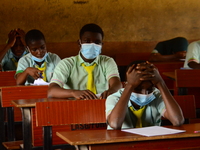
154,51
111,101
160,105
111,68
56,59
62,72
193,53
22,65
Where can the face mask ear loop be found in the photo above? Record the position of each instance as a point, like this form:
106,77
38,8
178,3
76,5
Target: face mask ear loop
28,49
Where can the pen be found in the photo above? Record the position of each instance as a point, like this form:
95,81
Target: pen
196,131
41,75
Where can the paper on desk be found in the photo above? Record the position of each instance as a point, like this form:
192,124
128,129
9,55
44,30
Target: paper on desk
153,131
40,81
98,95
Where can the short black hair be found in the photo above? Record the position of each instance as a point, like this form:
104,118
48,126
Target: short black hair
91,27
34,35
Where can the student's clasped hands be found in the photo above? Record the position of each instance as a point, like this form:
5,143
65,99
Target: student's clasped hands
16,33
143,72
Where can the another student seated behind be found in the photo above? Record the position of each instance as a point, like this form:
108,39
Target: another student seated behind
192,60
170,50
70,78
38,63
140,103
14,50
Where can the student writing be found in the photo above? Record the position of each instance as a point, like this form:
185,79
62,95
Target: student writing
38,63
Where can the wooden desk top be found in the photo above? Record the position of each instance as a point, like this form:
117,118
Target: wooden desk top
84,137
169,74
32,102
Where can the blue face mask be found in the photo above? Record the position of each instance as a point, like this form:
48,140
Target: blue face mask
141,99
39,59
91,50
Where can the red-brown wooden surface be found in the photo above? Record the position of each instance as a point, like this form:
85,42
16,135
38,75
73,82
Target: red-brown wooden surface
70,112
168,67
20,92
37,131
124,140
7,78
124,59
187,104
189,79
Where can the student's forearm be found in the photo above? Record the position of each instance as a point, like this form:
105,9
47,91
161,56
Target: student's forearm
173,111
194,65
114,84
117,115
58,92
21,78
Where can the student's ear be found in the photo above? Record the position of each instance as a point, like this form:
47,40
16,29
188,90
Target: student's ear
79,42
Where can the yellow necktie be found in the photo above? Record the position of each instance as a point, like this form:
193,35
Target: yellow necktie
43,69
90,82
14,61
138,113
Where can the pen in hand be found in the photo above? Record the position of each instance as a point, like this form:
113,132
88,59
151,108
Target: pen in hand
41,75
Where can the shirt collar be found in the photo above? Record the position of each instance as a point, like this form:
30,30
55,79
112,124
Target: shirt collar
80,60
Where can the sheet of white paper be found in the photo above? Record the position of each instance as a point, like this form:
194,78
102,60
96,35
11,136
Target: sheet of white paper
153,131
40,81
98,95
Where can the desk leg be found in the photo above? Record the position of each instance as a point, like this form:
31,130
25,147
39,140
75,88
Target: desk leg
47,137
27,135
2,128
10,124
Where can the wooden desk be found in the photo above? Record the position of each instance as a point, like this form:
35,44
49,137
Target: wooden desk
118,140
170,75
26,105
7,78
29,123
186,82
13,114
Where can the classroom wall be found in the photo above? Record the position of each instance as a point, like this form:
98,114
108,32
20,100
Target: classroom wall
123,21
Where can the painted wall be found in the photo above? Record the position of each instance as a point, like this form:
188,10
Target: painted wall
121,20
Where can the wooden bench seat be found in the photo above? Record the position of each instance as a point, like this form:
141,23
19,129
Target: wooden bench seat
12,145
14,114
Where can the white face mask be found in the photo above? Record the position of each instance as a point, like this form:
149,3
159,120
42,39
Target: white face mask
142,99
39,59
90,50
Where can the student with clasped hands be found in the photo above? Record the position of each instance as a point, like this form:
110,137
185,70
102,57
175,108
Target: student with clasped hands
143,101
15,48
